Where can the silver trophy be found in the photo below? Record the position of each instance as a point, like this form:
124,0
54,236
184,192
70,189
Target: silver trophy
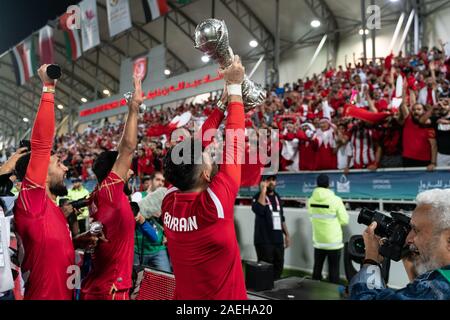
128,96
96,229
211,37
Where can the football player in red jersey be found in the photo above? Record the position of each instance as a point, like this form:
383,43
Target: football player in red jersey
198,210
41,224
112,262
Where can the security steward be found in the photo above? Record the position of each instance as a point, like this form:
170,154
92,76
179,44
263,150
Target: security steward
328,215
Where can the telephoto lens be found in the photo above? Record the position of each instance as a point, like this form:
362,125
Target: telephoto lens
367,216
54,71
393,230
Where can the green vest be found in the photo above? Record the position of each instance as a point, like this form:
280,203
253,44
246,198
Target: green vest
327,213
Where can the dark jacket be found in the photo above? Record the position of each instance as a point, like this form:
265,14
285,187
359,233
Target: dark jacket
264,233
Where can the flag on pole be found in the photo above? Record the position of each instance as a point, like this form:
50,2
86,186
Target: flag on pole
24,61
119,17
90,33
154,9
71,37
46,45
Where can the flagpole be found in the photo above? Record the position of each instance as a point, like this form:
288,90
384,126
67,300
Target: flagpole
408,26
256,67
316,54
396,32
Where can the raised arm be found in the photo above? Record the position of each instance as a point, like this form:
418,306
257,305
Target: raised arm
209,128
128,142
404,108
43,132
370,102
234,129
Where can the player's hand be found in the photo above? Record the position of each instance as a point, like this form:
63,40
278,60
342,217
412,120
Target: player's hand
235,73
88,241
137,98
42,72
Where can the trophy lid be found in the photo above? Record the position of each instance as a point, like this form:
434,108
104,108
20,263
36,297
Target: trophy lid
209,31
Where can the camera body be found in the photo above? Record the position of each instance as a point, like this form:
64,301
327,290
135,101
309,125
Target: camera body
393,230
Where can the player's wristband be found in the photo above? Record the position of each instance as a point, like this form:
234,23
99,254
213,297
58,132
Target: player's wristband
221,106
48,89
234,90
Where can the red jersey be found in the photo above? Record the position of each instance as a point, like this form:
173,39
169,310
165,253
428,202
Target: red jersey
416,144
40,223
201,240
47,242
112,262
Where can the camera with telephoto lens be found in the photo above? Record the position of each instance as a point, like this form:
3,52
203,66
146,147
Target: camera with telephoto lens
79,204
392,230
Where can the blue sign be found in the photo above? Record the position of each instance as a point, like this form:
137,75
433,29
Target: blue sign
380,185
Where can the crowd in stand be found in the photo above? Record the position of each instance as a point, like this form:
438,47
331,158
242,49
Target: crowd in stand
392,112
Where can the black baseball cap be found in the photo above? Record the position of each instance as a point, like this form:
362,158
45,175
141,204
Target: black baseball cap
270,176
323,181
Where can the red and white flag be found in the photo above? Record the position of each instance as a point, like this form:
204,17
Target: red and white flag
71,37
46,45
24,61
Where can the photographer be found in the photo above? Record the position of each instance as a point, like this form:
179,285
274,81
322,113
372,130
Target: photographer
71,215
77,192
429,243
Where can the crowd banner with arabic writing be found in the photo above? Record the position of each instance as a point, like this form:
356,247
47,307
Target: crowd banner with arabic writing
380,185
156,93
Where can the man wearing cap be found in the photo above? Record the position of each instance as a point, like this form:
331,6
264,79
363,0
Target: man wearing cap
77,192
328,215
270,226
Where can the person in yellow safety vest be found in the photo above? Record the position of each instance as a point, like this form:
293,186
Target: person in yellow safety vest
77,192
328,215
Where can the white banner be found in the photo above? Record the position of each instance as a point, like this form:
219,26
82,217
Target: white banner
119,18
89,24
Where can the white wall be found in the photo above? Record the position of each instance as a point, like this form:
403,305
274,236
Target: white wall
438,27
294,64
300,255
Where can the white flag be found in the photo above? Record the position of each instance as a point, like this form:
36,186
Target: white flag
119,18
89,24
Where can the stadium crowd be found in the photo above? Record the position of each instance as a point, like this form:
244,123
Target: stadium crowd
354,117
